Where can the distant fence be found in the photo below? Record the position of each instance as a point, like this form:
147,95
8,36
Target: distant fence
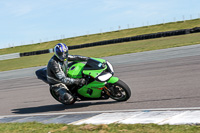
106,42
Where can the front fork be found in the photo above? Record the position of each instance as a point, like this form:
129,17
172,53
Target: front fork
109,89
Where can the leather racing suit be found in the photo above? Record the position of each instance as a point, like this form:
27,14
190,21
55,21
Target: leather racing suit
57,75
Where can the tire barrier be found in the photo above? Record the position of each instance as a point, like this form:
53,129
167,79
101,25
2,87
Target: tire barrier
119,40
139,37
35,52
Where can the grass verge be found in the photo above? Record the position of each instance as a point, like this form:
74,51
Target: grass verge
112,128
106,36
106,50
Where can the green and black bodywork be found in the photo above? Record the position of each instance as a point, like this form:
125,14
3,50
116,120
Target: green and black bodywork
100,82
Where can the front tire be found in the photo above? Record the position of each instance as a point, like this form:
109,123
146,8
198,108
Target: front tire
119,91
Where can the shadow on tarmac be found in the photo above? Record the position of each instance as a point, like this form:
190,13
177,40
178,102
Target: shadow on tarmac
57,107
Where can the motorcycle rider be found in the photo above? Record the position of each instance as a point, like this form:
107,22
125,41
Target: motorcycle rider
57,72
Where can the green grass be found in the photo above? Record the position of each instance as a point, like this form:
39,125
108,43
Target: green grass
112,128
106,50
106,36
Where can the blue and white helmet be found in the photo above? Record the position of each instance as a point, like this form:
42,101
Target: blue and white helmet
61,51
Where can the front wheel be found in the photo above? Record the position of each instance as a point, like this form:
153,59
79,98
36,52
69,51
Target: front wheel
119,91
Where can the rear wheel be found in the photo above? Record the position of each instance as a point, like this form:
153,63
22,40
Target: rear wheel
119,91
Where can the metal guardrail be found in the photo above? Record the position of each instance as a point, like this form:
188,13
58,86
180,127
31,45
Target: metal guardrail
106,42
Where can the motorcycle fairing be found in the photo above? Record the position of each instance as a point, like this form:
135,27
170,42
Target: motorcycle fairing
101,73
75,71
92,90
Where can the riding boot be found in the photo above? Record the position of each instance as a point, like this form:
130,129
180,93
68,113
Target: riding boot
64,95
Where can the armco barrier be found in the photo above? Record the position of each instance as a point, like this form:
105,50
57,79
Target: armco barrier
119,40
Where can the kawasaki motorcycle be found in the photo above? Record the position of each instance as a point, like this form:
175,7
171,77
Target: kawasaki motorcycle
100,82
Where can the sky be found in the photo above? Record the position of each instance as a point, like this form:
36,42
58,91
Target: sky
25,22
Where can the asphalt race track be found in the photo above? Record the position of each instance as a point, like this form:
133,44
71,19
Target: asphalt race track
158,79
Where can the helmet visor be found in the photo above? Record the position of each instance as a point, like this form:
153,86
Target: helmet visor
62,55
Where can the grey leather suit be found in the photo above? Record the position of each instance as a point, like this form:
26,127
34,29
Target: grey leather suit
57,70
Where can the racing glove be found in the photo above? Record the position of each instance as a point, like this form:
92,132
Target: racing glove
79,81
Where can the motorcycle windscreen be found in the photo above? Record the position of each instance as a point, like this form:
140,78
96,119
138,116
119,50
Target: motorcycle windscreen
93,64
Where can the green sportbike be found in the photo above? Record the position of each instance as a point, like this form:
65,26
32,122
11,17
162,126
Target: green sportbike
100,82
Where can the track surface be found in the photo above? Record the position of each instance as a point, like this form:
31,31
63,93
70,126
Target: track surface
158,79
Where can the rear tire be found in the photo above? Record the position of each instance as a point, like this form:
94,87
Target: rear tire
120,91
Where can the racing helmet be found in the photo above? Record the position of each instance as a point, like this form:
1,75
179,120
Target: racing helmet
61,51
